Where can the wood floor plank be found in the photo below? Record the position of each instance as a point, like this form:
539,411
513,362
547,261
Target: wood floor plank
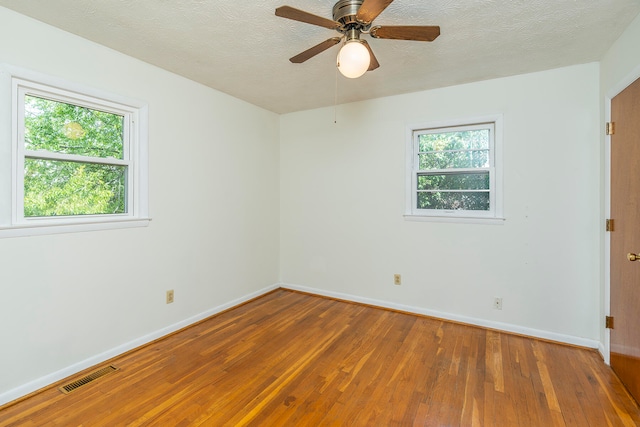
293,359
522,387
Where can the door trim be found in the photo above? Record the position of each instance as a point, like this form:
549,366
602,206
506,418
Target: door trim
605,348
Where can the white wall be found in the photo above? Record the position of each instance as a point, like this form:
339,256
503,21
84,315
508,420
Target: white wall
214,196
622,61
342,202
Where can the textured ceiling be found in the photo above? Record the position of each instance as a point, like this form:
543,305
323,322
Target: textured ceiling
242,48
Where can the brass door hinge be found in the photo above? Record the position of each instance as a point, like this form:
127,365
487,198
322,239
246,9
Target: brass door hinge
608,322
610,225
610,128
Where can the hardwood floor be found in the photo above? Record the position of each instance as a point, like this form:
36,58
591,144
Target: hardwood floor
294,359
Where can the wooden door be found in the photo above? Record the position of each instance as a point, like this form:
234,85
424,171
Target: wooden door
625,238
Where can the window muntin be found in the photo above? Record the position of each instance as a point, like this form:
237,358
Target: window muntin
453,171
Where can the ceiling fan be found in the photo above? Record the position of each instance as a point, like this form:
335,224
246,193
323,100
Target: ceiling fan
352,18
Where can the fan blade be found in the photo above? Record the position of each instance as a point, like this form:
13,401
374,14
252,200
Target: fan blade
374,62
370,9
309,18
319,48
409,32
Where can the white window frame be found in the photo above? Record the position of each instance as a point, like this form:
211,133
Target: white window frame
495,214
15,84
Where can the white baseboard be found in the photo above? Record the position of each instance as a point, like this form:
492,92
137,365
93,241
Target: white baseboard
603,353
53,377
507,327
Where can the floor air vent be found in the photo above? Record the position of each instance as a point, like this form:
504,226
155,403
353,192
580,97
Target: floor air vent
68,388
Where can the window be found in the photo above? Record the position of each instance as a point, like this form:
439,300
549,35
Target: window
453,171
79,161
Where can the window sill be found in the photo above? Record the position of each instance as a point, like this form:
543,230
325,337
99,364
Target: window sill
455,219
43,229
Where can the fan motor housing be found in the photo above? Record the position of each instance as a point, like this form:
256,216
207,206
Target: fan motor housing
344,12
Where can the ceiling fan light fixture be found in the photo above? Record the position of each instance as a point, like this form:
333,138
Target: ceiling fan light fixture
353,59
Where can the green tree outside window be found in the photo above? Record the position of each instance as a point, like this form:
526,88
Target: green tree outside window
76,186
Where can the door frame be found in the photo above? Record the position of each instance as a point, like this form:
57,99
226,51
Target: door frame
605,348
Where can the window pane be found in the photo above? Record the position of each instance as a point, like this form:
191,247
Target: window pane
53,188
461,140
472,201
463,181
71,129
456,159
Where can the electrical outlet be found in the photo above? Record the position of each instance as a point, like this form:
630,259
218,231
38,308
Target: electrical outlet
170,296
497,303
397,279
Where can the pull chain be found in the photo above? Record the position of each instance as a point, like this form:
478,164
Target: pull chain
335,101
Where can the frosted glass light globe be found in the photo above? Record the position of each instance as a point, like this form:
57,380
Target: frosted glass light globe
353,59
